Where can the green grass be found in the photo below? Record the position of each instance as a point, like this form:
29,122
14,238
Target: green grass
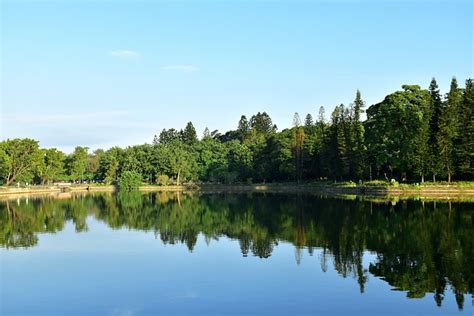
345,184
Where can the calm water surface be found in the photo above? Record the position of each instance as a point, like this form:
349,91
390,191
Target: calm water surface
234,254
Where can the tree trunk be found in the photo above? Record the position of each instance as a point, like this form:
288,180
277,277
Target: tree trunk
434,177
422,178
177,178
449,177
10,180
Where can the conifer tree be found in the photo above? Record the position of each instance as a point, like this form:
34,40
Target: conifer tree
156,140
359,149
421,150
262,124
206,134
296,120
465,150
243,128
298,145
189,135
321,115
434,114
337,144
448,130
308,121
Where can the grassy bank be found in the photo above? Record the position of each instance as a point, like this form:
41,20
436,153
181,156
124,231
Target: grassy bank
403,188
367,188
42,189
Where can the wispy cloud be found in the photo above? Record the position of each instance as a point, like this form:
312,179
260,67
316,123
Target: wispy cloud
124,53
184,68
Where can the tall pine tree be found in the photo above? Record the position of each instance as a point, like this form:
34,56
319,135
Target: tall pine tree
308,121
337,144
298,146
448,128
465,150
435,110
189,135
243,128
357,131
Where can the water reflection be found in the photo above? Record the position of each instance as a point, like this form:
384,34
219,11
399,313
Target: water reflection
420,247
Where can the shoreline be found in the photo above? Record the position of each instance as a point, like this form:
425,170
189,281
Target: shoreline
442,191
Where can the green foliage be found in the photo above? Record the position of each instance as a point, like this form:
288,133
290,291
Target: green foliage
162,179
243,128
52,168
19,159
93,163
346,184
393,131
308,120
358,148
261,123
189,135
209,154
168,136
376,183
448,130
181,162
338,144
109,165
5,163
435,111
130,180
465,148
222,175
77,163
298,150
240,159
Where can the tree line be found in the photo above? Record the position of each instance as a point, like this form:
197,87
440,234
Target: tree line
411,135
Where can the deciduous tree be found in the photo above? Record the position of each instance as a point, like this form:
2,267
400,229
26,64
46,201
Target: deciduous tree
18,158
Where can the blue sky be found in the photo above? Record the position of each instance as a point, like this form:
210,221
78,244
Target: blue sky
103,73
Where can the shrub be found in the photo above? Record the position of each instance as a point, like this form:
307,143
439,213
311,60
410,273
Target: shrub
130,180
375,183
192,186
162,179
347,184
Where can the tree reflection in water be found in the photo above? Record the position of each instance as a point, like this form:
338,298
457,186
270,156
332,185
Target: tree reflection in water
421,247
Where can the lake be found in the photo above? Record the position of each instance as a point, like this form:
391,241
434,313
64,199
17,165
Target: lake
234,254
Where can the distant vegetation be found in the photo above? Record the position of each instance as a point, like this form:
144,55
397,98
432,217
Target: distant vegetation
409,136
130,180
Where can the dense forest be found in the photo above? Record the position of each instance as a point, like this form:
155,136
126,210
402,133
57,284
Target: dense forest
421,247
412,135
